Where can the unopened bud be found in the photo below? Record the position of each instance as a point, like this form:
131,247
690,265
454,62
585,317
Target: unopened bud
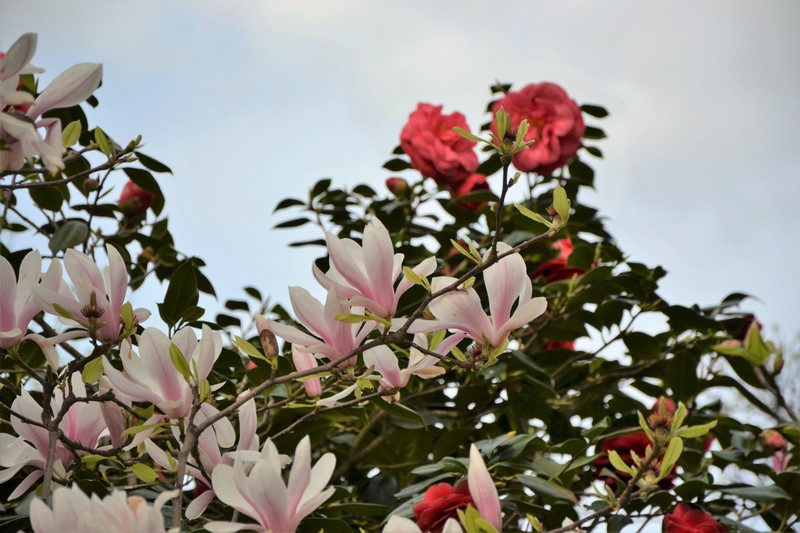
773,439
268,341
90,184
660,420
398,186
148,255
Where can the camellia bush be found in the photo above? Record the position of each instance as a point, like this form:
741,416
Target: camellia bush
477,364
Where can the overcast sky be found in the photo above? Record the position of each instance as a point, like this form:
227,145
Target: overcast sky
250,102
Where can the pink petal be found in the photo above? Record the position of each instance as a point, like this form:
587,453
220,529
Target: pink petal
70,88
385,362
18,55
482,489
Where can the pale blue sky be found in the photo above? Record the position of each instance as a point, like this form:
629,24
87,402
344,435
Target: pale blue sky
252,101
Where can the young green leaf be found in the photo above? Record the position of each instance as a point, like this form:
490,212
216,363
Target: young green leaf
180,362
671,456
536,217
71,134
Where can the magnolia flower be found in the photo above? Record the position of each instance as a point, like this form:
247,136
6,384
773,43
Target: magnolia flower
209,446
98,298
385,361
482,489
152,377
398,524
18,307
330,338
75,512
365,274
262,494
507,284
307,361
20,134
83,423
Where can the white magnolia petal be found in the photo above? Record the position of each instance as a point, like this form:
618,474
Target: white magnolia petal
399,524
199,505
18,55
70,88
482,489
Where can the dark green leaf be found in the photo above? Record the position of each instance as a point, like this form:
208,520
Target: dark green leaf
542,487
396,165
288,202
642,346
292,223
400,411
152,164
181,293
72,233
594,110
48,198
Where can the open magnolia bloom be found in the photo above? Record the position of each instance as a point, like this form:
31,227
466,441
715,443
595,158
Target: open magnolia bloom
262,494
329,337
365,274
398,524
19,133
151,376
75,512
98,299
210,443
507,287
83,423
18,307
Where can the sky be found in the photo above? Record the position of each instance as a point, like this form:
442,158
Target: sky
253,101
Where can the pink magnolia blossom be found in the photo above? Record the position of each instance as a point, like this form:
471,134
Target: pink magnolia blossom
18,307
98,298
83,423
483,491
75,512
262,494
365,274
151,375
20,134
399,524
507,284
210,444
307,361
330,338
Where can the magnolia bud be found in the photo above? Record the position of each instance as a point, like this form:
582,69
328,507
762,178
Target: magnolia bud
268,341
397,186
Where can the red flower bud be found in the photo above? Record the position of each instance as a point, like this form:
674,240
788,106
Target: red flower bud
134,200
397,186
773,439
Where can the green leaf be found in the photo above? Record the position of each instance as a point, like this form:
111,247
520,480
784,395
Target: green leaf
144,472
71,134
400,411
671,456
547,488
249,349
696,431
349,318
594,110
561,203
467,135
397,164
48,198
756,494
293,223
180,362
72,233
151,164
102,141
181,294
288,202
642,346
533,216
92,371
128,318
619,464
146,181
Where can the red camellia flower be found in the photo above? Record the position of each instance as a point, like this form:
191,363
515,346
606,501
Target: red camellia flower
476,182
625,445
556,345
134,200
435,149
397,186
687,518
557,269
441,502
555,124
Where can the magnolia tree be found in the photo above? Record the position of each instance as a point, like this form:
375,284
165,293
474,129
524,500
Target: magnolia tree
439,385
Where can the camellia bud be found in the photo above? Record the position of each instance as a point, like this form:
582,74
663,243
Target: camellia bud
773,439
134,200
268,341
398,186
90,184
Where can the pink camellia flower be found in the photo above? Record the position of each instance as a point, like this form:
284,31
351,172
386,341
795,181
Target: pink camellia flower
688,518
435,150
475,182
365,274
134,200
262,494
507,283
83,423
152,377
555,125
98,298
20,134
210,444
330,338
75,512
